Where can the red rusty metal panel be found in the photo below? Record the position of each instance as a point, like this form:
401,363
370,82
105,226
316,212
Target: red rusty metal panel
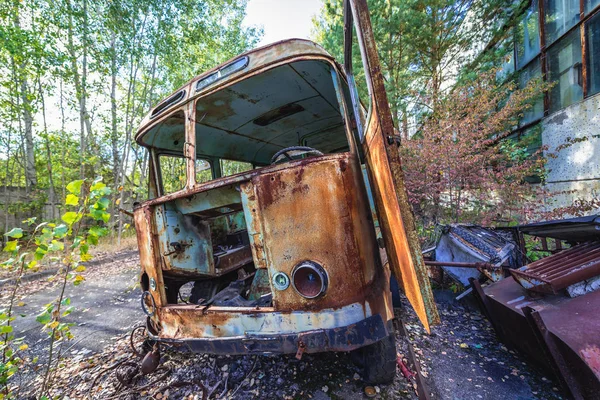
570,324
385,172
560,270
149,254
314,210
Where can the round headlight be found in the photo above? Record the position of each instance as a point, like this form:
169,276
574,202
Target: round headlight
309,279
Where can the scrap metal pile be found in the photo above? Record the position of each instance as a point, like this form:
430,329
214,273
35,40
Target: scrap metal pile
547,309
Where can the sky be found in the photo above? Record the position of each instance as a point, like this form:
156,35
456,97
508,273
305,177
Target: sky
282,19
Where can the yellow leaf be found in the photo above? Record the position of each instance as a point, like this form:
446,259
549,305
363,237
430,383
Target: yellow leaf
464,346
118,202
86,257
54,324
81,268
21,304
23,347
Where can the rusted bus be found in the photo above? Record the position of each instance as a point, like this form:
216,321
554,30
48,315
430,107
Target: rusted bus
281,258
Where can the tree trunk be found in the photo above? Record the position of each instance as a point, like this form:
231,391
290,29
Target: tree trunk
21,74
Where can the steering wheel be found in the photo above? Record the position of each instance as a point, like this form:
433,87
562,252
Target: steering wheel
300,150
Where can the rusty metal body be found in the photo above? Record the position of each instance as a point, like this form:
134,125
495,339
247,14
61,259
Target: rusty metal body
307,209
560,270
561,334
283,258
549,311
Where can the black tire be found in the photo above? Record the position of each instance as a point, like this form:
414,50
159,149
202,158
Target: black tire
377,360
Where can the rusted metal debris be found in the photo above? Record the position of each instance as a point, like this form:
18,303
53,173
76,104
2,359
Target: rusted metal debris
559,333
558,271
471,251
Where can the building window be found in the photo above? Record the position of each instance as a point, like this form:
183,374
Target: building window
589,5
561,15
532,71
508,60
528,35
592,30
564,68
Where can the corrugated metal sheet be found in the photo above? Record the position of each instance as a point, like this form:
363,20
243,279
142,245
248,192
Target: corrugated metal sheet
558,271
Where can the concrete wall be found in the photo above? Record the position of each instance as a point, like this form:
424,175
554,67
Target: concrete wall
577,167
9,219
48,212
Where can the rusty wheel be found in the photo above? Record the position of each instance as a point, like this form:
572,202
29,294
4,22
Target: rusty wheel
378,360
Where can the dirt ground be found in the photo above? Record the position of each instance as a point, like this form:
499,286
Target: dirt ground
461,359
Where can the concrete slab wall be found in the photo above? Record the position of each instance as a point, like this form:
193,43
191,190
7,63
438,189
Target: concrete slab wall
577,167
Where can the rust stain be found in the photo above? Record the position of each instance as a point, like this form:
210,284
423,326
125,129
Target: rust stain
591,355
385,171
311,212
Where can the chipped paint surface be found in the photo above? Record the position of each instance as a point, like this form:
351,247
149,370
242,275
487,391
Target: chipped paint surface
385,171
184,322
314,209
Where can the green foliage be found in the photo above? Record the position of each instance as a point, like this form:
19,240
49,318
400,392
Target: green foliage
422,45
58,63
70,243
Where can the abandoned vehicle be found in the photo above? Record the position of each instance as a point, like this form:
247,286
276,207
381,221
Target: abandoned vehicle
258,236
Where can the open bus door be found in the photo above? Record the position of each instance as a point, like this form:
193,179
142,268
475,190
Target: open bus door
380,147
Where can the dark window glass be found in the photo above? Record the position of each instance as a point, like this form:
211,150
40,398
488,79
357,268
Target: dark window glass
231,167
508,61
589,5
203,171
564,68
527,35
592,31
532,71
172,171
561,15
531,139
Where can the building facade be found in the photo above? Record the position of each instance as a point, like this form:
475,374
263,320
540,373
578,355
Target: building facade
559,41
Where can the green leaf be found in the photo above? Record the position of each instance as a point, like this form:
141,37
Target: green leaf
98,231
6,329
76,242
55,245
8,262
11,246
102,204
39,253
66,301
15,233
72,200
78,280
70,217
99,215
97,185
93,239
75,187
30,221
60,231
44,318
68,311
